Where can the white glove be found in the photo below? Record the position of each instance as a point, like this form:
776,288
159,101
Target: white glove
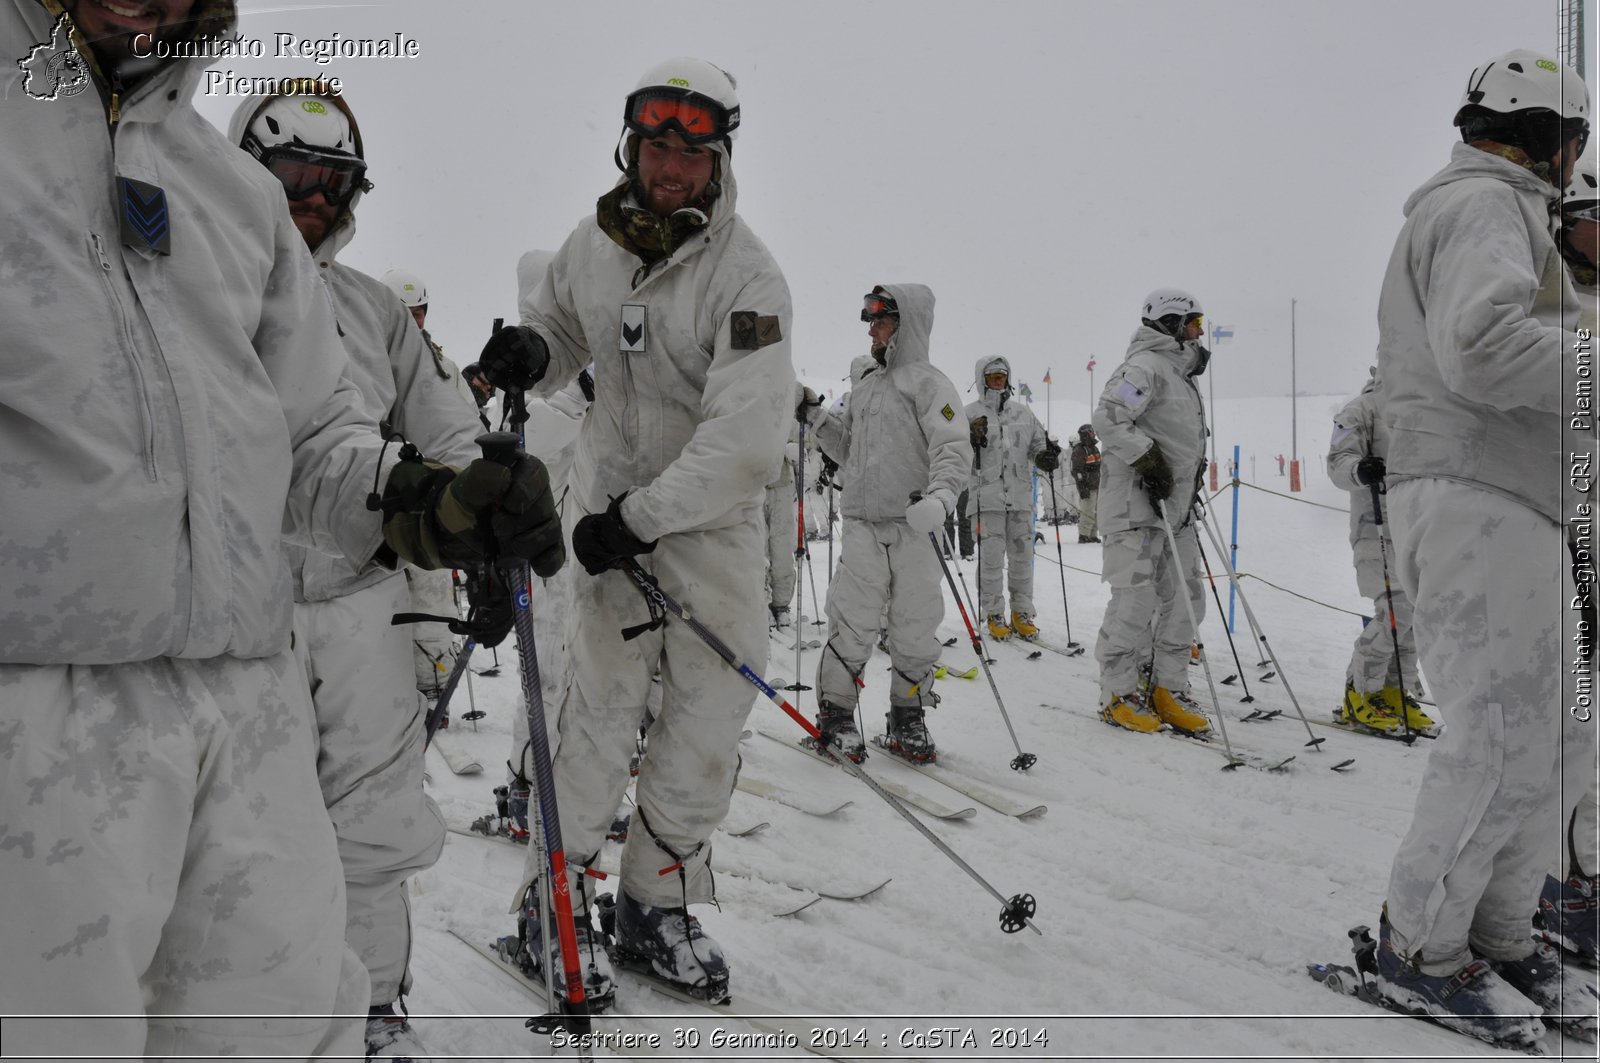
925,516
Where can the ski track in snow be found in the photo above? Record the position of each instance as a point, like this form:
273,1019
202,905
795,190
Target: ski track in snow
1179,903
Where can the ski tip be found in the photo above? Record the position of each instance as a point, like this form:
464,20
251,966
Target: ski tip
1344,765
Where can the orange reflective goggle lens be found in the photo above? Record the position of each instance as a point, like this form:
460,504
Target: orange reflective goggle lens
875,306
694,120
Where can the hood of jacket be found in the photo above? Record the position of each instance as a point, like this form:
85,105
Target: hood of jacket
911,337
653,238
1467,162
1186,356
344,230
994,363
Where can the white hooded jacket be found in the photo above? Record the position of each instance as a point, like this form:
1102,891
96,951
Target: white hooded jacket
1359,432
165,420
694,385
902,430
1002,477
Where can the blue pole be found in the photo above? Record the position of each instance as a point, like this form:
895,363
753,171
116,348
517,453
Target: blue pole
1233,535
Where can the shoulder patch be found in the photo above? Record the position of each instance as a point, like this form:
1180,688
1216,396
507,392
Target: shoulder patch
750,331
949,414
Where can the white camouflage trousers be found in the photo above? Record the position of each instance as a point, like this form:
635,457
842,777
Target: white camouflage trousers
1145,619
433,646
686,780
168,867
882,565
359,670
1005,560
1372,662
1489,580
782,536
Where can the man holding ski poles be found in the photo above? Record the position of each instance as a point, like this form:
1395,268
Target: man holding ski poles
686,318
901,434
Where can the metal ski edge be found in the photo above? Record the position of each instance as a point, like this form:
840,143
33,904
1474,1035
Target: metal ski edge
910,797
761,1015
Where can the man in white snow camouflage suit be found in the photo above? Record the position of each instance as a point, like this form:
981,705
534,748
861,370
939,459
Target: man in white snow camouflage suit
170,867
1476,316
1374,690
686,317
1008,442
900,435
358,665
1152,427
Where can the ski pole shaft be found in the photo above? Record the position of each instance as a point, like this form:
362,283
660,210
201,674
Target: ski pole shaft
1194,628
1013,917
1061,561
1216,597
436,713
1388,594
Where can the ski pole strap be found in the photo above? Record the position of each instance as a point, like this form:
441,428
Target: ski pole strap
680,858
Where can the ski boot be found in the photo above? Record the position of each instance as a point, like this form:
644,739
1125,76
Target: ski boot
667,945
1129,710
390,1038
839,732
997,627
618,831
1539,977
1367,711
1180,711
1474,1000
780,617
525,951
1024,627
908,736
1419,720
1569,916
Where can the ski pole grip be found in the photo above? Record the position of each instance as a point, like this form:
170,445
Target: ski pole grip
1377,504
500,447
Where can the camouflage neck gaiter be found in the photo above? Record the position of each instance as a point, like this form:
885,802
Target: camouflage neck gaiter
642,233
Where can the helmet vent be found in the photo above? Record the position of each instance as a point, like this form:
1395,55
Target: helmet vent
1517,67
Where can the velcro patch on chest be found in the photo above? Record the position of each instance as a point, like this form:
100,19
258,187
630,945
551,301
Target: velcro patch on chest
948,413
631,336
750,331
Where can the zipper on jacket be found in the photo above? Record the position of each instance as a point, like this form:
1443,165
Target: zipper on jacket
114,105
146,418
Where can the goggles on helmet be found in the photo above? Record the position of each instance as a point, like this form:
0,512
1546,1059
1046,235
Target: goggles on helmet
1588,212
877,306
1197,320
303,172
696,118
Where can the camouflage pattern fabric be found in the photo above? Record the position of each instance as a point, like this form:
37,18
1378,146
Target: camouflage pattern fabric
1145,620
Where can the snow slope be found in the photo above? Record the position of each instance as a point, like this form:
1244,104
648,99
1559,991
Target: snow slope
1178,903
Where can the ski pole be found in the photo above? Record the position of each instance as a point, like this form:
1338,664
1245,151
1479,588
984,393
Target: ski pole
1061,561
799,549
436,713
506,448
1205,521
1388,594
1194,628
1248,697
1016,912
1022,761
971,608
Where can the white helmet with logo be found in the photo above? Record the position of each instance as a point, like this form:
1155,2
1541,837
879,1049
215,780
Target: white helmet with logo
1163,301
408,286
694,98
1522,80
306,121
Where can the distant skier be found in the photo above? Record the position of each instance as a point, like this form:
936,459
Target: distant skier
901,434
1086,480
1008,443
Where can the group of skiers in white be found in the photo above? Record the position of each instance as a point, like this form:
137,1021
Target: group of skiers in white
212,765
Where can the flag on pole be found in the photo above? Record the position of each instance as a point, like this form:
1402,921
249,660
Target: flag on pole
1090,366
1222,332
1047,376
1026,392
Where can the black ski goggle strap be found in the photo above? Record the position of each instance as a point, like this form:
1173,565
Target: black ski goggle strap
697,119
303,172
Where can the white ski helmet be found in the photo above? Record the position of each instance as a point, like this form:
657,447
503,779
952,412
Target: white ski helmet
306,121
1582,195
1521,80
408,286
688,96
1163,301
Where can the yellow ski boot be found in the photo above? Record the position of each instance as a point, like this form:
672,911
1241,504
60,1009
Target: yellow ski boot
997,627
1368,710
1179,710
1419,720
1130,711
1023,626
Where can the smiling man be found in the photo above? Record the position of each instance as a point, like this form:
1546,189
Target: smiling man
686,318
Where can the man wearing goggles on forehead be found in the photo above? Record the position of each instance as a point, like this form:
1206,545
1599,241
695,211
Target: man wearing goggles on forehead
686,318
358,665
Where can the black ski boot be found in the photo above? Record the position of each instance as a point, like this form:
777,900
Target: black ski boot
838,726
908,736
667,945
526,952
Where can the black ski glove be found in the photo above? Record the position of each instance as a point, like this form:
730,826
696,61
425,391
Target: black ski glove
437,517
1049,459
602,540
515,358
978,431
1370,470
809,400
1155,475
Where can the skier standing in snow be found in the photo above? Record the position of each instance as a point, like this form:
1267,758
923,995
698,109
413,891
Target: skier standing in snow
900,434
1373,689
1152,425
358,665
1475,318
1086,480
1008,443
182,881
432,590
686,318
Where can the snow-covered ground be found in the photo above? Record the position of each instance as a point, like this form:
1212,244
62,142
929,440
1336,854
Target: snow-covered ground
1178,904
